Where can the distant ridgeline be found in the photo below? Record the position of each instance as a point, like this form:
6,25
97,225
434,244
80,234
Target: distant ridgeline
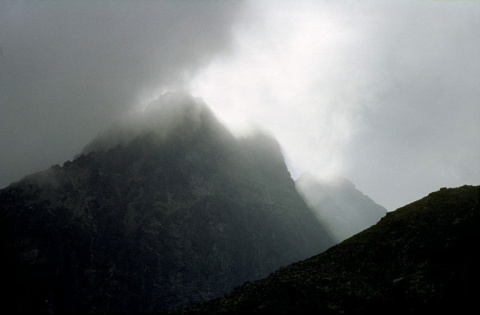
343,209
164,209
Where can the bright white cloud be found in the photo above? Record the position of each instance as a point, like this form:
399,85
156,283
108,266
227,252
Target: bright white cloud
378,92
290,75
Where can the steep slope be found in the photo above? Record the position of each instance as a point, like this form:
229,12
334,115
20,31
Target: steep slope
158,212
345,210
419,259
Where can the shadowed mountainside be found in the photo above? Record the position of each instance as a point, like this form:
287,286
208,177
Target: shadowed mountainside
339,205
158,212
419,259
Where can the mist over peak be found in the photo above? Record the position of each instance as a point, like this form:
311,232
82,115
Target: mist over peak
158,118
178,100
339,204
336,181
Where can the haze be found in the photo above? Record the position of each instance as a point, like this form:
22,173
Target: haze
383,93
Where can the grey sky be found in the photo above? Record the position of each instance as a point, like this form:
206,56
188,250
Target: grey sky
71,67
384,93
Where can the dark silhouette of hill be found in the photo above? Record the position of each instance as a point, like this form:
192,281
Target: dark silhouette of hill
162,210
419,259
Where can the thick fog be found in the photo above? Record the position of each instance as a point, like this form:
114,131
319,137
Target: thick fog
383,93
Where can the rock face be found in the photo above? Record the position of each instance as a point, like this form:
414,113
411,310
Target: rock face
419,259
158,212
345,210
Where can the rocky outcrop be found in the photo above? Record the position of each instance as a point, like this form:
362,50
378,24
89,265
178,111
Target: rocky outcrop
168,217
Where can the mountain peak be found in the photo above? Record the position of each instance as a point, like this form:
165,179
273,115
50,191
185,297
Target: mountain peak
177,103
169,210
159,118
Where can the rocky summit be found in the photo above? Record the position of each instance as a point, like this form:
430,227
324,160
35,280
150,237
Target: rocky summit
162,210
419,259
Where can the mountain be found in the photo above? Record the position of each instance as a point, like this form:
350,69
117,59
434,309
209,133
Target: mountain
345,210
419,259
163,209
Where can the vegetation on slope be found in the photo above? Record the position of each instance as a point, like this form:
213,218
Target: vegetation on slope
419,259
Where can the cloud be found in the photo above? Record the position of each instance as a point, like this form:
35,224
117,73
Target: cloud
378,92
70,68
420,130
382,93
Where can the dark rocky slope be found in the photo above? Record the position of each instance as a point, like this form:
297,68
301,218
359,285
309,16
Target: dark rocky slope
161,211
341,207
419,259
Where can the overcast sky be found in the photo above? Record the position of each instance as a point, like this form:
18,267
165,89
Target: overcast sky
383,93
